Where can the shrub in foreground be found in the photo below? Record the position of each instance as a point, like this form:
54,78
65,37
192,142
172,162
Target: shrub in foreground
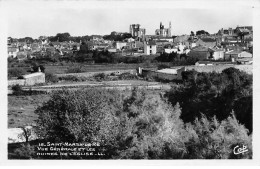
211,139
139,126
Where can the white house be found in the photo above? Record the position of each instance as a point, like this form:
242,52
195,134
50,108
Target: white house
150,48
181,48
120,45
130,40
216,53
170,50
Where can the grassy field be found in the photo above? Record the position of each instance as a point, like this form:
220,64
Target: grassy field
96,67
61,69
21,109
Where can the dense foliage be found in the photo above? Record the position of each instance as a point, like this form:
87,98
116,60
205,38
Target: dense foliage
201,32
215,94
51,78
136,126
205,118
16,72
176,59
114,37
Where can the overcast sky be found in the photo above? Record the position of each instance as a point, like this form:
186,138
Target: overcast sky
33,19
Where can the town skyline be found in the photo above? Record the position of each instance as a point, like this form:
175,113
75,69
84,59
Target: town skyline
102,21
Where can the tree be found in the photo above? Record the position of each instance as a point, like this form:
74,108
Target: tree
192,33
80,116
165,57
213,139
201,32
36,66
84,47
29,39
10,39
214,94
61,37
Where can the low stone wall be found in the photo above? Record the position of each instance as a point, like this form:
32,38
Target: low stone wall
20,82
159,75
219,68
89,74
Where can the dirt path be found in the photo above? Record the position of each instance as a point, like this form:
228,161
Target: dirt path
120,85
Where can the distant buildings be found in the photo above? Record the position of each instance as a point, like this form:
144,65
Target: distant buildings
120,45
164,32
136,31
226,44
239,34
216,53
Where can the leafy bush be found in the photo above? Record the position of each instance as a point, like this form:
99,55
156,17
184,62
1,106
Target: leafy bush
211,139
139,124
17,90
36,67
165,57
155,130
50,77
76,115
73,78
214,94
24,152
101,76
75,69
127,76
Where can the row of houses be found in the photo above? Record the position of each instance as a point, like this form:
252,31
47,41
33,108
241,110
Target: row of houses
214,46
205,53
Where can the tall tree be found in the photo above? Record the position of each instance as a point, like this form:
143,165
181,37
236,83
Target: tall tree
61,37
192,33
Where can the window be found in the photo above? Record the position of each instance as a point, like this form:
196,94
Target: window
150,46
150,51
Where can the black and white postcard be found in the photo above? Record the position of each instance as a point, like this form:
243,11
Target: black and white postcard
159,82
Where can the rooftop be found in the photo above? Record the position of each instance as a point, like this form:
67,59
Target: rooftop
151,43
167,70
233,52
32,75
208,40
200,49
